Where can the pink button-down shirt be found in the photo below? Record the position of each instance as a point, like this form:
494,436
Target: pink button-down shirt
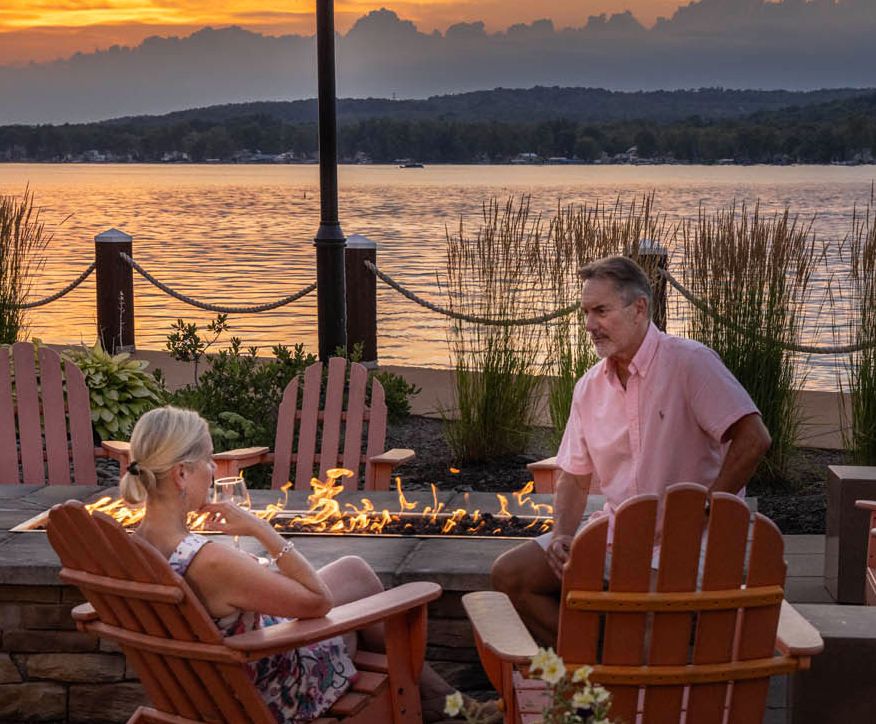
666,427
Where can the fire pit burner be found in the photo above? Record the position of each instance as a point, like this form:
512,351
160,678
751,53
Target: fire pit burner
327,516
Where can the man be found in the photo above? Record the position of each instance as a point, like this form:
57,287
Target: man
656,410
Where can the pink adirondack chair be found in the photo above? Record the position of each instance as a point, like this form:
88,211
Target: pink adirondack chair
671,646
339,430
870,572
545,474
45,420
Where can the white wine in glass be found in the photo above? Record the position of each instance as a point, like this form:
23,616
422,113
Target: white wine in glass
233,490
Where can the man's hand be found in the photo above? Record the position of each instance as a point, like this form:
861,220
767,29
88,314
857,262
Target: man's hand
558,553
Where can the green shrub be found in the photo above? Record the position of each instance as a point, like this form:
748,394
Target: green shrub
119,389
22,240
398,392
239,394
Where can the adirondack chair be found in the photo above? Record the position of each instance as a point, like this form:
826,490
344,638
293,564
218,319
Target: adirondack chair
668,645
53,414
301,425
190,672
546,473
870,573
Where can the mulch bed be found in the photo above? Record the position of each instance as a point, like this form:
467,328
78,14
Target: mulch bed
797,505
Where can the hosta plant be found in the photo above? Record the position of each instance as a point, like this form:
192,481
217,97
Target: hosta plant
119,388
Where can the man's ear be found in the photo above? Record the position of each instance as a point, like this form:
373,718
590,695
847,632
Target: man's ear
642,307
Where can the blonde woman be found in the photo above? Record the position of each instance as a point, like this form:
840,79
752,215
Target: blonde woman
172,470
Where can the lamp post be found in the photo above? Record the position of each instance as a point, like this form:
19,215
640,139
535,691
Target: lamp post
330,240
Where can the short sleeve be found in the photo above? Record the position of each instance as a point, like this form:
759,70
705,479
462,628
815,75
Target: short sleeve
716,397
572,456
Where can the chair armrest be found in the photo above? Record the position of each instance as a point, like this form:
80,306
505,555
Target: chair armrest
866,504
795,635
546,464
242,453
393,458
84,612
119,451
229,463
349,617
499,627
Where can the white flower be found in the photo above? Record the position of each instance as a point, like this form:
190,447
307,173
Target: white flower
600,695
553,669
540,659
582,675
453,704
583,699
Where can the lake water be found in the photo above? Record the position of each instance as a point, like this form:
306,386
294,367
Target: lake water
243,234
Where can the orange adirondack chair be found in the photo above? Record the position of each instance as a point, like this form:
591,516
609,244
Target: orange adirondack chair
192,673
870,573
53,414
670,645
301,425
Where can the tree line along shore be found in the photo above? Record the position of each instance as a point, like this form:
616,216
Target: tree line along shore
841,131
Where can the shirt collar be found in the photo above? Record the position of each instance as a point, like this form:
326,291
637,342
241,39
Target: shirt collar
641,361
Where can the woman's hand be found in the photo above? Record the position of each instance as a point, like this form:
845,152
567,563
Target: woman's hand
229,518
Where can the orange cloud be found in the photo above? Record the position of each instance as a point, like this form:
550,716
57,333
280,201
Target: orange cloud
35,30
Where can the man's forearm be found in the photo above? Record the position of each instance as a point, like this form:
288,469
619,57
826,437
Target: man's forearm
749,441
570,501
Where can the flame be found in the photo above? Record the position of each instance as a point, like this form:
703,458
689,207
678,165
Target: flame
326,514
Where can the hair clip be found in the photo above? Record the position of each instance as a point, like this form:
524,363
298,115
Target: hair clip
133,468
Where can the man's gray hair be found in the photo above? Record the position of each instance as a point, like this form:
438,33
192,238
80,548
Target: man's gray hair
629,278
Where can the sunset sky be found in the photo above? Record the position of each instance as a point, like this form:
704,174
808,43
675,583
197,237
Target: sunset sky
37,30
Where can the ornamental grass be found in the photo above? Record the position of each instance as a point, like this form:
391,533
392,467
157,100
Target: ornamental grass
861,437
496,368
22,240
753,272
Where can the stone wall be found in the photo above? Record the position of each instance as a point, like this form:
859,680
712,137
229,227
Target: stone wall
49,671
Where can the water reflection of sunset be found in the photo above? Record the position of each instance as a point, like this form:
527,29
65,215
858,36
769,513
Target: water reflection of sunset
243,234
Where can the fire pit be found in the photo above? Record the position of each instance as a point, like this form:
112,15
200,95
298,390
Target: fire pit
514,516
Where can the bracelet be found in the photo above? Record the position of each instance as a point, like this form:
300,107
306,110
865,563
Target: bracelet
288,546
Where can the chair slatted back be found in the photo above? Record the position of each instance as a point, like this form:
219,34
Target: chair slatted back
162,627
684,639
45,419
317,432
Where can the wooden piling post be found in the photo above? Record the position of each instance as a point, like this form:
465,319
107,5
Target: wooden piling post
361,285
115,291
653,257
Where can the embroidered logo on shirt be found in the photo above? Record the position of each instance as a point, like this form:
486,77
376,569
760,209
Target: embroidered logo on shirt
660,412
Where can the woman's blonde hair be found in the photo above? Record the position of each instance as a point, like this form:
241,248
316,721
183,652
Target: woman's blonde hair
162,438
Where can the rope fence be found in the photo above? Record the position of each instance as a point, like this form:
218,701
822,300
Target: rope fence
488,321
686,293
57,295
473,319
251,309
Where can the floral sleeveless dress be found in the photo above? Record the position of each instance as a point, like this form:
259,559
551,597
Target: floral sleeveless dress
297,685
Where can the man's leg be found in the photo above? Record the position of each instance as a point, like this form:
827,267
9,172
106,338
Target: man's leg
524,575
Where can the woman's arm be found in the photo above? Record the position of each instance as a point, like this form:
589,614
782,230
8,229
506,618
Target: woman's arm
226,579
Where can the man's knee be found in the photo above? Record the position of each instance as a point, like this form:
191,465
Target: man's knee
510,572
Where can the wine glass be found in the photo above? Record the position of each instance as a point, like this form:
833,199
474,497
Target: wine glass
233,490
